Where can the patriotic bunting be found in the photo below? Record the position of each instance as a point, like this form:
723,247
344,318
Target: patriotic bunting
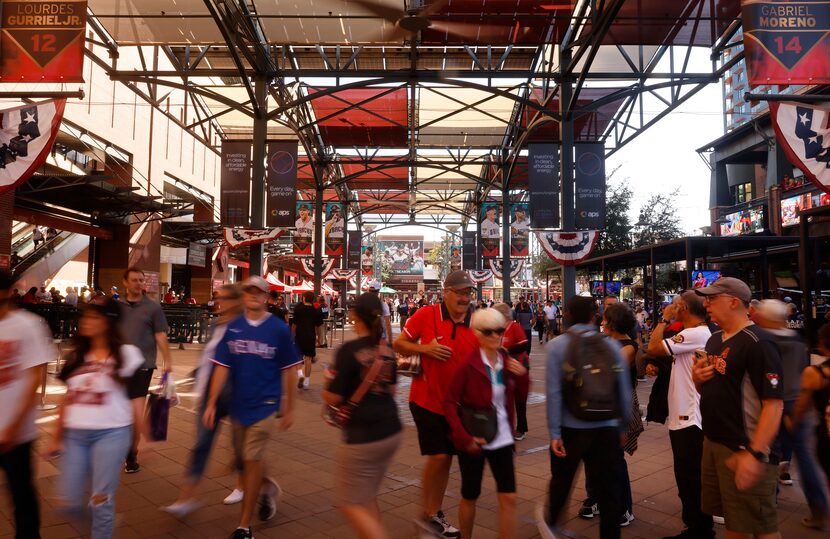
804,133
239,237
26,137
308,267
516,267
568,248
343,274
479,276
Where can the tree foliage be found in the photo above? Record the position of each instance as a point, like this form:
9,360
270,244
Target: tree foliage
438,256
616,236
658,220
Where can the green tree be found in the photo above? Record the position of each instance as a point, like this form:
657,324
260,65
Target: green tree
438,256
658,220
616,237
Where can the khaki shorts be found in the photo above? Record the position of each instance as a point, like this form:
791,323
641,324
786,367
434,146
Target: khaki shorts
250,441
750,511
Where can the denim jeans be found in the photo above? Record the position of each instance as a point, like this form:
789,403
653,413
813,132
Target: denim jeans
17,463
798,443
94,456
205,436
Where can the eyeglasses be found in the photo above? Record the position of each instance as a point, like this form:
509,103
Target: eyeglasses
713,297
489,332
463,292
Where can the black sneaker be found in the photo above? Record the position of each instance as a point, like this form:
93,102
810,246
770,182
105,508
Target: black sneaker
442,526
589,509
785,478
242,533
131,464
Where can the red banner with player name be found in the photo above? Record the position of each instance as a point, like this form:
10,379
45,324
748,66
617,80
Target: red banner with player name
787,42
42,40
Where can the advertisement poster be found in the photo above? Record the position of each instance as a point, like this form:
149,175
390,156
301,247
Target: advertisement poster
402,257
519,230
303,228
455,257
235,183
42,41
367,261
589,186
490,230
353,261
281,185
197,255
334,229
786,42
749,221
543,183
468,252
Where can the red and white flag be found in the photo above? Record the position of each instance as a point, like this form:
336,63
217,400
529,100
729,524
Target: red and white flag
239,237
26,137
804,133
568,248
308,266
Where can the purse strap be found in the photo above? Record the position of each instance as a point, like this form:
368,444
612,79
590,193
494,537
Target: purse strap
374,370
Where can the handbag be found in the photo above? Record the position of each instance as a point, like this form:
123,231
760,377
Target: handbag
409,365
339,416
479,423
158,409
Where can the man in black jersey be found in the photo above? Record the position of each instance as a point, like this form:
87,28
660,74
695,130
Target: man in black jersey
740,385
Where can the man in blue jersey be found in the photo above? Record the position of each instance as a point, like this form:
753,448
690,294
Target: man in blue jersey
257,352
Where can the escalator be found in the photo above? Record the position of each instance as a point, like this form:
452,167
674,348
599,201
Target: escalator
39,265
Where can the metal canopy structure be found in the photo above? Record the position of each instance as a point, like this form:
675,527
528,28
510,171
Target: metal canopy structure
416,110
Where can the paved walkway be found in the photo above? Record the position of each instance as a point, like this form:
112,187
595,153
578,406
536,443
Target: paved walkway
302,460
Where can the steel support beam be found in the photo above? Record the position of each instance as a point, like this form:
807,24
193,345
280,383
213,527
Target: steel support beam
566,168
258,172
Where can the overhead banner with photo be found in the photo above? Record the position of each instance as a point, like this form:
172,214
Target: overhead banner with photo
543,184
468,251
27,134
519,230
301,238
589,188
402,257
235,194
281,184
786,42
42,40
353,260
490,230
455,257
367,261
804,133
334,229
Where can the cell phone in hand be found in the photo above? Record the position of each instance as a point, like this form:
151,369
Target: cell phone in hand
701,355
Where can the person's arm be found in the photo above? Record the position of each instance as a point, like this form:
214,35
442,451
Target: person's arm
164,347
656,347
624,385
810,382
748,469
217,382
553,379
452,400
19,410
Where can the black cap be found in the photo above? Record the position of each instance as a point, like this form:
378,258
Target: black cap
368,307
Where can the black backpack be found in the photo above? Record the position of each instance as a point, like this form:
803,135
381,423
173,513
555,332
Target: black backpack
590,378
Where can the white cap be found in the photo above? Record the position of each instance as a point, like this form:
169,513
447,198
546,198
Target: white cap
773,310
374,284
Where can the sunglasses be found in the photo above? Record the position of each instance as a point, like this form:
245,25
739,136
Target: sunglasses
488,332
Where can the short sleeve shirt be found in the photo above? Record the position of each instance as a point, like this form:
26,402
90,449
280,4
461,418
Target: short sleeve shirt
140,323
684,400
256,354
434,322
747,371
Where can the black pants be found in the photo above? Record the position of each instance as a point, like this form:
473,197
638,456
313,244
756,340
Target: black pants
598,449
687,448
521,415
529,335
17,464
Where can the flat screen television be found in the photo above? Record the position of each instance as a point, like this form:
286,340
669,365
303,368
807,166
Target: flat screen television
611,288
750,221
701,278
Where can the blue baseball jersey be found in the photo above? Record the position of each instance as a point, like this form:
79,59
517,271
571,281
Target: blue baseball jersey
256,356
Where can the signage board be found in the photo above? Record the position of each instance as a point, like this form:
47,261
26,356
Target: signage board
589,187
543,184
281,184
235,195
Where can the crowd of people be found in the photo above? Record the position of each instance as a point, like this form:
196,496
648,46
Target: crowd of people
739,389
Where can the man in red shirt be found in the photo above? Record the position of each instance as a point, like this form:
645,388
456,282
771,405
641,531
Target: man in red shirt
441,335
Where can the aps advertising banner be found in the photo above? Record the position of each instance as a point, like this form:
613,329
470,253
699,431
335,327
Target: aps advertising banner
519,230
334,229
589,186
787,42
281,184
543,184
235,196
303,228
353,260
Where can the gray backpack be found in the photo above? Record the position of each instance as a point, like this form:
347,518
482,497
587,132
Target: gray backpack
590,380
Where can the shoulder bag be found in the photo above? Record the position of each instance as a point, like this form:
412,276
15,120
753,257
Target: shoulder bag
339,416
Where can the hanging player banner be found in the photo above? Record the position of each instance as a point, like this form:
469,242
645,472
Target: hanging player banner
468,251
235,189
490,230
367,261
786,42
353,247
480,276
281,184
543,185
343,274
303,228
42,40
240,237
308,267
568,248
589,187
26,137
334,229
455,257
516,267
804,133
519,230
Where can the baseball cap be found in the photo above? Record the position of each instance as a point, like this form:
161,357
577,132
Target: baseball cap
773,310
257,282
458,280
374,284
727,285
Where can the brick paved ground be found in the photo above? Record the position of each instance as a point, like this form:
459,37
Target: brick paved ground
302,460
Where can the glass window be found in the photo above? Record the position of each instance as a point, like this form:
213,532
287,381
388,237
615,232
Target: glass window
742,192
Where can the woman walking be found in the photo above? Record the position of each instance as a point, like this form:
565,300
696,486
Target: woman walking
540,322
485,383
365,366
94,428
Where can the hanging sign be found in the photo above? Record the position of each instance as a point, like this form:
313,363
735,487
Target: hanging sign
196,255
589,187
468,250
26,137
353,261
236,183
334,229
367,261
543,184
519,230
786,42
42,40
568,248
281,184
303,228
490,230
343,274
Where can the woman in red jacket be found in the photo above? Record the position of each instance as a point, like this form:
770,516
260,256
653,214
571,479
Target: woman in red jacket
485,382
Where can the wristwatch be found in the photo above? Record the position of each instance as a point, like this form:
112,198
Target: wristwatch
760,456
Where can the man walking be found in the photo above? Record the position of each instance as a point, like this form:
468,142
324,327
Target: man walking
551,312
144,325
386,317
740,385
258,354
524,316
25,348
441,335
584,415
685,430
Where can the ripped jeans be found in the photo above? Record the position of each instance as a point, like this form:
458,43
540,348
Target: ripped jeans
93,457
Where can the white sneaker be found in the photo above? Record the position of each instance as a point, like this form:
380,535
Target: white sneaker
234,497
183,508
718,520
306,382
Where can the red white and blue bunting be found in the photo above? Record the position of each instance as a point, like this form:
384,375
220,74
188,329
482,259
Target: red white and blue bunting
804,133
308,267
479,276
516,267
26,137
568,248
239,237
342,274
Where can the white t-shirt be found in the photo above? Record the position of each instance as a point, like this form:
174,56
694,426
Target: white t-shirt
336,228
490,229
95,399
684,400
551,311
504,436
25,343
